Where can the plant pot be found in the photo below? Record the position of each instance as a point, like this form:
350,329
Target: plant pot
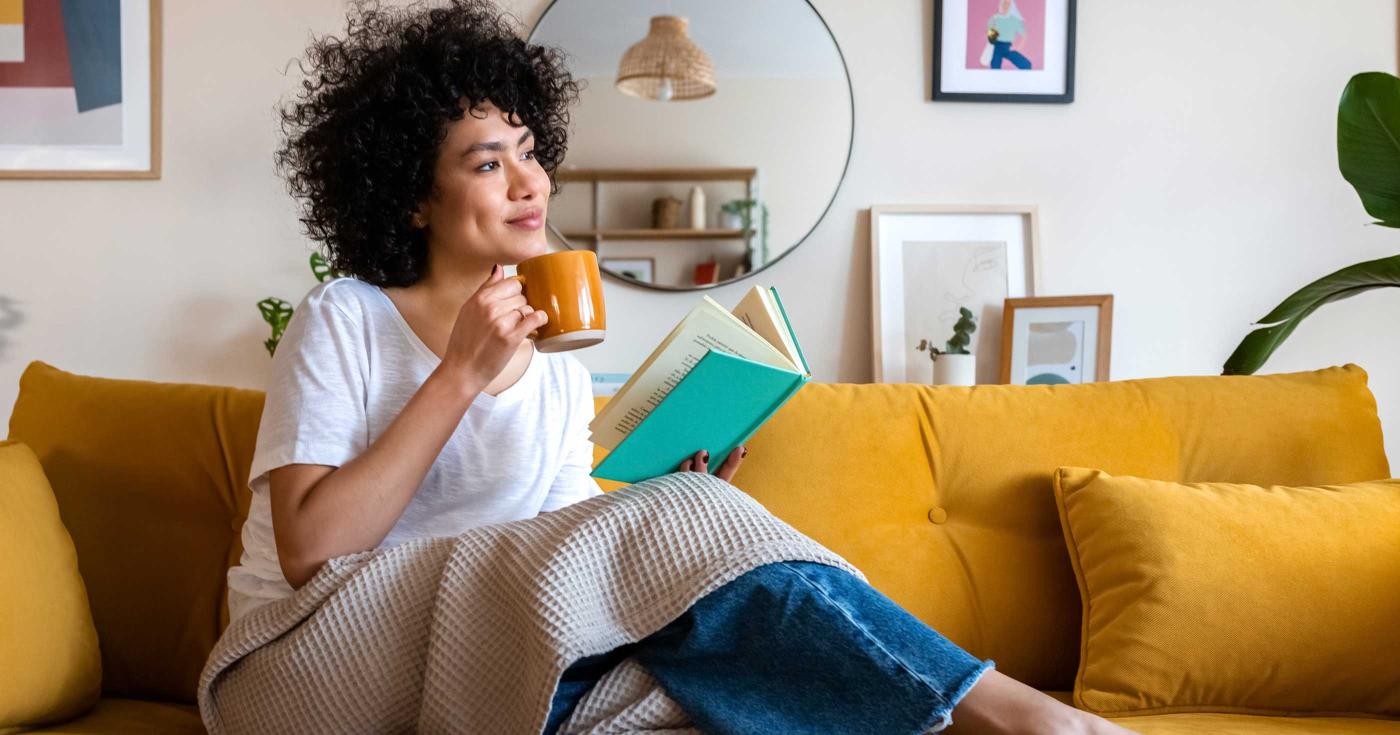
730,220
955,370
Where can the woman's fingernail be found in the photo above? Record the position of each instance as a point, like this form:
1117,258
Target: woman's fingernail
743,453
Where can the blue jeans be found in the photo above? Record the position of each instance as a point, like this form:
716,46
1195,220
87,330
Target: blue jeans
794,647
1002,50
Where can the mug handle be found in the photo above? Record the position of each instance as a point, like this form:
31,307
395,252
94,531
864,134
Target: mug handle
517,277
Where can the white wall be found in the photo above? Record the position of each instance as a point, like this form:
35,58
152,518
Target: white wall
1195,178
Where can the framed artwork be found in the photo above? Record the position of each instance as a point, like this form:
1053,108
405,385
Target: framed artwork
1003,50
80,89
927,262
642,270
1056,340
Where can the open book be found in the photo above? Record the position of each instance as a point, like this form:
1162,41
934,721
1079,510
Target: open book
709,385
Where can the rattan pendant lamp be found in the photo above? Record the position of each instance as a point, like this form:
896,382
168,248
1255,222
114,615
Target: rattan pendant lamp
666,65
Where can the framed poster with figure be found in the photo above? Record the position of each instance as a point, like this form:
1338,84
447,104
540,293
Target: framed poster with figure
80,89
1003,50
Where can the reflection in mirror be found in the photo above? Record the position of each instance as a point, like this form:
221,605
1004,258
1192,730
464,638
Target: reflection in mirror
710,138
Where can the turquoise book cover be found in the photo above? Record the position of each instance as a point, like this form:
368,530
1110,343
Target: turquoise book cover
717,406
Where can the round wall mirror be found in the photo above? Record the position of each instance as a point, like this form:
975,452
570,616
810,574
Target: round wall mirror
710,137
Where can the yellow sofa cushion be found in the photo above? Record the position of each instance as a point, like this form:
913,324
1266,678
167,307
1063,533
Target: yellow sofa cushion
50,668
151,479
1218,597
942,496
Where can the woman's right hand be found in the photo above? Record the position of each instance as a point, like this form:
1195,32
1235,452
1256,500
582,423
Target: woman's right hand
489,329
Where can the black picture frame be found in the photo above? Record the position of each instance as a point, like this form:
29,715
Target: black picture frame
941,96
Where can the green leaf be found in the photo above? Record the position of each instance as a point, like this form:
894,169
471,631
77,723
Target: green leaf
276,313
320,268
1275,327
1368,143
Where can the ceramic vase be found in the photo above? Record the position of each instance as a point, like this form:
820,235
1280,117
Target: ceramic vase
955,370
697,208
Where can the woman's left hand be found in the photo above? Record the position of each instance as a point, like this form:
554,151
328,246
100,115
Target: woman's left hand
700,463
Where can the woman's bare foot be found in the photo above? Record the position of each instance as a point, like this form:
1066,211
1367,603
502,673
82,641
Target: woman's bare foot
999,704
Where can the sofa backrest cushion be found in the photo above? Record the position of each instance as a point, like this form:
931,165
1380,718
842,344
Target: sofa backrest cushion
150,480
943,496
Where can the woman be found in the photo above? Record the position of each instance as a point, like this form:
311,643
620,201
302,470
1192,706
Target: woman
1006,31
407,403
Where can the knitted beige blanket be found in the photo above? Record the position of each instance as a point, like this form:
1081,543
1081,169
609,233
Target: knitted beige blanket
470,634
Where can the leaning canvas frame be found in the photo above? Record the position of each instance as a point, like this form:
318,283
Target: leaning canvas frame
139,155
892,225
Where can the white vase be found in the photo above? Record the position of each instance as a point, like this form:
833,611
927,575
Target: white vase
955,370
697,208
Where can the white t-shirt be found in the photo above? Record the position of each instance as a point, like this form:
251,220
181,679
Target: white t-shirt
345,367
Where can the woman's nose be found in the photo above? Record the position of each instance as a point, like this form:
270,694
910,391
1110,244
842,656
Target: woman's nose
523,182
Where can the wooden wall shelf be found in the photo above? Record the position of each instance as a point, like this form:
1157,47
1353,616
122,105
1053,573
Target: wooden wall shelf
656,174
655,234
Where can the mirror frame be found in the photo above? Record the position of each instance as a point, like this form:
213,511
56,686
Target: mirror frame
850,146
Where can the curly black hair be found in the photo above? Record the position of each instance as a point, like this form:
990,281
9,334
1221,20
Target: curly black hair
363,134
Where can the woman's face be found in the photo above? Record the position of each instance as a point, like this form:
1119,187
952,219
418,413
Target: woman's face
1005,6
490,196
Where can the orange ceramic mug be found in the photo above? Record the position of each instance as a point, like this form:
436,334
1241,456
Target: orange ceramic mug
567,287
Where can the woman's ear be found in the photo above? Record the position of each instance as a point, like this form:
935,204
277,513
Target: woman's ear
418,220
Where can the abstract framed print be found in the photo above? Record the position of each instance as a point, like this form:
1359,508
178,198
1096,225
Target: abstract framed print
1003,50
1056,340
927,262
80,89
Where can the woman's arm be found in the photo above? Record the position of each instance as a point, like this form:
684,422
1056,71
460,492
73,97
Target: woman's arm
319,512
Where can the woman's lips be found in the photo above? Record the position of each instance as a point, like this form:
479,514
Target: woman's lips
533,222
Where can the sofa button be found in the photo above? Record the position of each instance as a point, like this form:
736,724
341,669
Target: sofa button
937,515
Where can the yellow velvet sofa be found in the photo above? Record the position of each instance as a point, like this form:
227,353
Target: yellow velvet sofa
941,495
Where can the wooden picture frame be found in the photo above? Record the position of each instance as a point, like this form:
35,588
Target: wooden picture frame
134,156
960,29
901,236
618,267
1060,311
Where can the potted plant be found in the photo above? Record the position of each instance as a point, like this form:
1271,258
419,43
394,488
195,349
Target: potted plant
734,214
277,312
954,365
1368,154
737,214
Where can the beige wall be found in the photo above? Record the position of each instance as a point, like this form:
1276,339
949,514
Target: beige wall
1195,178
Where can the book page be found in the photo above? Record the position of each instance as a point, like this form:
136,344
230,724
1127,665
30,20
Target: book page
757,311
707,327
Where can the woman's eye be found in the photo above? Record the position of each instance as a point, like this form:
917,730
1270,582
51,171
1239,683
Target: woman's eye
530,154
483,166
